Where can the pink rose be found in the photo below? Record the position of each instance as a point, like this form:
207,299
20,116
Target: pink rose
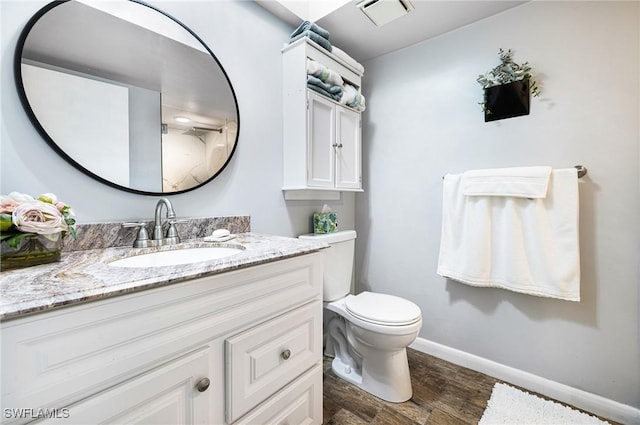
38,217
7,205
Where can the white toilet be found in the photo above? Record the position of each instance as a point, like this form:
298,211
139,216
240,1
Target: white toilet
370,332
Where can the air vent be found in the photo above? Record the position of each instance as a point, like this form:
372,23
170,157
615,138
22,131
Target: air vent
384,11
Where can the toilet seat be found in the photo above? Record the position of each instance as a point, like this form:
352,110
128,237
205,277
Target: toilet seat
383,309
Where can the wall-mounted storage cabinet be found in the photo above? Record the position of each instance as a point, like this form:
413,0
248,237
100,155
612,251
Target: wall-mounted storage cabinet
322,138
333,145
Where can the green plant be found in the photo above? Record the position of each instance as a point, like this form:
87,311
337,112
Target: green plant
507,72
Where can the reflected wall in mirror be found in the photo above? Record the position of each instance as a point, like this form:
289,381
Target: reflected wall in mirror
127,94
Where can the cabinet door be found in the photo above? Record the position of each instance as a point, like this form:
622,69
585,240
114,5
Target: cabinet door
348,150
321,140
172,393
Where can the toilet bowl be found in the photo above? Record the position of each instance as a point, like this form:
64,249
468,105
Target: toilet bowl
369,332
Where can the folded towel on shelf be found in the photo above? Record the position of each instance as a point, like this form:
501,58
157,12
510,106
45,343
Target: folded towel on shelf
522,182
323,73
332,91
523,245
353,98
310,26
319,90
348,59
315,37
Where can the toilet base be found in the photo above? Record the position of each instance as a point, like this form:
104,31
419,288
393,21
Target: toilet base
346,372
385,375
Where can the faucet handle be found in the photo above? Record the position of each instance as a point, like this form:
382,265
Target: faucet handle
172,233
142,239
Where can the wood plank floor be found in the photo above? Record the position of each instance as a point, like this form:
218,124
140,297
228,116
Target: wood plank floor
443,394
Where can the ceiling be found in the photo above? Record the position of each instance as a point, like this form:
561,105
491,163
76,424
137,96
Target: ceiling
352,31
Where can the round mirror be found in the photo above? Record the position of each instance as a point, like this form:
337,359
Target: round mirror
127,94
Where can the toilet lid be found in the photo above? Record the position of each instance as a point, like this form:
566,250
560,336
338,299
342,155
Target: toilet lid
383,309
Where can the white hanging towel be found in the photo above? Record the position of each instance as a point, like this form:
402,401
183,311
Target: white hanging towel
521,182
512,242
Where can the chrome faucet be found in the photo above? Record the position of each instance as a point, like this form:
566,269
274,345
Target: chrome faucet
157,228
143,240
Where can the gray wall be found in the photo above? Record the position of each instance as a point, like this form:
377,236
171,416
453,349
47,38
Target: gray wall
247,40
423,121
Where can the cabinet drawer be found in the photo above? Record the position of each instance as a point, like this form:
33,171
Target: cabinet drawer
299,403
267,357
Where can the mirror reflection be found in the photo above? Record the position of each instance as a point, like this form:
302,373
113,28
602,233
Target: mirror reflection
128,95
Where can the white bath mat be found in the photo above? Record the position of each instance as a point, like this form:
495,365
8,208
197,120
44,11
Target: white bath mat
509,405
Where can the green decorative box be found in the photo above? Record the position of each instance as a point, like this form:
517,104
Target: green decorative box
326,222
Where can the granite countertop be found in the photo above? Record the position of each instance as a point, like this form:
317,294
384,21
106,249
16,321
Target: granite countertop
85,275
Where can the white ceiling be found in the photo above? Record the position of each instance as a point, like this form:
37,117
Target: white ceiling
352,31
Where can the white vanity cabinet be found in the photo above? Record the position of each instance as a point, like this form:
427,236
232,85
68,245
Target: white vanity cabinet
322,138
237,347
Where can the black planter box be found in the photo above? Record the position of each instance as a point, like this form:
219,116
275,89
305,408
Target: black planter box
506,101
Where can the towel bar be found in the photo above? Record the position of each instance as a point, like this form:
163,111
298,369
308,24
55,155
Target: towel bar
582,171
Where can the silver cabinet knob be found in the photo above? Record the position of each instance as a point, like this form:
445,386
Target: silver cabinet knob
285,354
203,384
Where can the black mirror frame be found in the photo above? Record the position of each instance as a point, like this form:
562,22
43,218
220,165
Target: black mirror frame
17,73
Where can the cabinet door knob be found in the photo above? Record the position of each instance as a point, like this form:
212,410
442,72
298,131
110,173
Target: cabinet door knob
340,145
203,384
286,354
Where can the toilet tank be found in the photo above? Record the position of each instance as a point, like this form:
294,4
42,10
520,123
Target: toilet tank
338,262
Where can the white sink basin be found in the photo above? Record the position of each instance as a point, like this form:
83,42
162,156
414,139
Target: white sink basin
176,257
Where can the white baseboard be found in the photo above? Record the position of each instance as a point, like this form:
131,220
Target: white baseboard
593,403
